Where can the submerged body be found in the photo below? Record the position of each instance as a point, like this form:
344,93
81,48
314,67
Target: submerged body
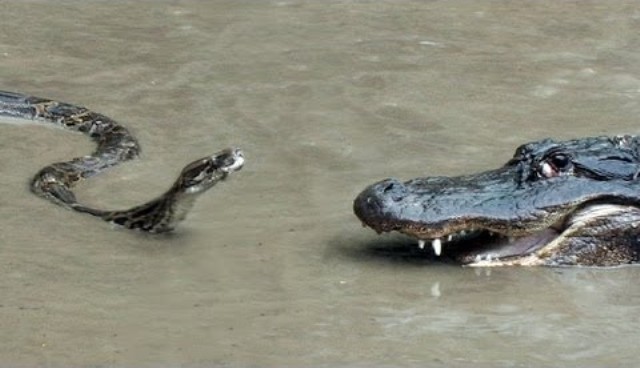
114,145
554,203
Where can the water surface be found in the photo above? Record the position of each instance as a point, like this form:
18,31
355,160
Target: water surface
325,98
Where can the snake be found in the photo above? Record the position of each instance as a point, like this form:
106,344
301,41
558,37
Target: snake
115,145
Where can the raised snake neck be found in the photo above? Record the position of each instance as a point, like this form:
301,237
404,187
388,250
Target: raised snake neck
115,144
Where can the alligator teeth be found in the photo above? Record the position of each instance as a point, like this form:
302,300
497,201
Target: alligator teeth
449,237
437,246
435,243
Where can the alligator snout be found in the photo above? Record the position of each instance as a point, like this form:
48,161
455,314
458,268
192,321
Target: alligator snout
376,195
377,201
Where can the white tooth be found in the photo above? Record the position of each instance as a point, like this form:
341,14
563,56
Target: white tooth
449,237
463,232
421,243
437,246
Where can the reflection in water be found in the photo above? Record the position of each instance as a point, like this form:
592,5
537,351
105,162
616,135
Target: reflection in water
435,290
536,313
325,98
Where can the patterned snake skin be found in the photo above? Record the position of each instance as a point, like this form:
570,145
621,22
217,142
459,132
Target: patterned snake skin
114,145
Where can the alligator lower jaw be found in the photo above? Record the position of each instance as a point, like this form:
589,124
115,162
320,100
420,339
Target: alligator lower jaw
484,248
477,247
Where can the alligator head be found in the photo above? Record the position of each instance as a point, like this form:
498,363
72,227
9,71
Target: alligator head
554,203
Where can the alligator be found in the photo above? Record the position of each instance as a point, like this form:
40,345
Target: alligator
555,203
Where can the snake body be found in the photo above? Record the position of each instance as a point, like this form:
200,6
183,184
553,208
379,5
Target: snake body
115,144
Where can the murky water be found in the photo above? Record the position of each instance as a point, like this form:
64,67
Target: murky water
325,97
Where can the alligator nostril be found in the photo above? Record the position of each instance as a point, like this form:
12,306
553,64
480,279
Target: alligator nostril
392,189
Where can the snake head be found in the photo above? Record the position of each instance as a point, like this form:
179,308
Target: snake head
204,173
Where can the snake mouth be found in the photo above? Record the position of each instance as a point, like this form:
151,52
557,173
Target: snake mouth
236,156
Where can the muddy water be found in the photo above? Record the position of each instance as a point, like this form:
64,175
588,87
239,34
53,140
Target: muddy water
325,97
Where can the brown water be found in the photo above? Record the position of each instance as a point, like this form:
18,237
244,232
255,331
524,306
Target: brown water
325,97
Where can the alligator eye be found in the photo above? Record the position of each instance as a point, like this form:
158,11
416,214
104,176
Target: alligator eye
555,165
559,161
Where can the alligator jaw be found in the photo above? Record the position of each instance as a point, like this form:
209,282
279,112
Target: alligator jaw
590,236
582,222
483,247
433,211
486,248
